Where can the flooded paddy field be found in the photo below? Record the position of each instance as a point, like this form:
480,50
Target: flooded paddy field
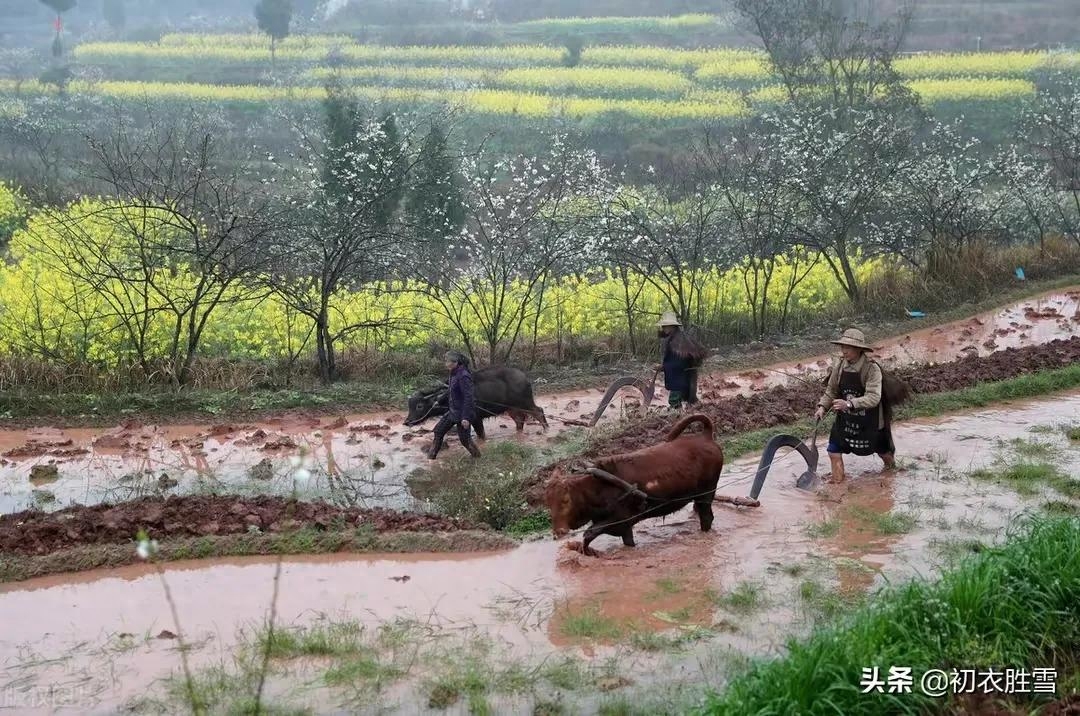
363,460
537,626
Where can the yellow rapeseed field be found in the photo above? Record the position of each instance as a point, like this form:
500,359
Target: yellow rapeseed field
43,307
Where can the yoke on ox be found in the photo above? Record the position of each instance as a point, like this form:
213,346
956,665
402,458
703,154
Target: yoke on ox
616,492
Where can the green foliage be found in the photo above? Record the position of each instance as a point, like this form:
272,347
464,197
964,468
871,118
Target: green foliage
1017,605
59,77
574,45
13,212
273,18
489,490
59,6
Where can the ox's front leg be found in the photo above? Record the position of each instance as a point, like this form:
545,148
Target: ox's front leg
704,513
628,535
586,539
478,425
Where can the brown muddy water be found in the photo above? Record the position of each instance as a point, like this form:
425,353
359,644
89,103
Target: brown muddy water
364,459
737,591
1034,321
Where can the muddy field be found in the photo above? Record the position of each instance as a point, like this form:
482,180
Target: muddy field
35,532
783,405
650,625
362,460
38,532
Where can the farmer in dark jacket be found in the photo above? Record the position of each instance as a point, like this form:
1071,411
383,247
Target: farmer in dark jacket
462,406
682,357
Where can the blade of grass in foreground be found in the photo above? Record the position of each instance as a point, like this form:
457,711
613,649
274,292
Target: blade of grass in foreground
1016,606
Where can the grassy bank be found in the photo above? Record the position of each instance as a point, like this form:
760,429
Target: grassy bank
389,391
1013,606
15,568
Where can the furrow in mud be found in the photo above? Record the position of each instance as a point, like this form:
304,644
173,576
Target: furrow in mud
35,533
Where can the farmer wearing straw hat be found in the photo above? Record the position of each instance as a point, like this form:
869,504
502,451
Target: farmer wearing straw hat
854,390
682,357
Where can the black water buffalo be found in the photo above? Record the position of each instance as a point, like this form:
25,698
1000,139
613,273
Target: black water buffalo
498,389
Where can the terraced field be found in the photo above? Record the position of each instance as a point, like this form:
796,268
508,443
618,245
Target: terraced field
532,81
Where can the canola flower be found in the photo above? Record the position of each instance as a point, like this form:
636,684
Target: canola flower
481,101
45,311
996,64
967,89
613,23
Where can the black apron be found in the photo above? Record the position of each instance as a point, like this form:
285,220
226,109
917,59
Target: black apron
856,431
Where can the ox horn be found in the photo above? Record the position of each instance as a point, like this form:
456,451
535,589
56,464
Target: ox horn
647,388
617,481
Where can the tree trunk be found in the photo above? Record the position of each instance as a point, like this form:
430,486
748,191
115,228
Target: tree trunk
324,347
852,287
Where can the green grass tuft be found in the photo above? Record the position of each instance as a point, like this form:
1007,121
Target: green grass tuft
889,523
744,599
1032,449
827,528
825,604
332,639
588,623
1060,507
1027,476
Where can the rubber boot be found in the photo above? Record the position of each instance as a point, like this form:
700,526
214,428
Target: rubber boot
470,445
436,445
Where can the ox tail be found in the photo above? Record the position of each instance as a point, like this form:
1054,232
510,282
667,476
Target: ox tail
680,426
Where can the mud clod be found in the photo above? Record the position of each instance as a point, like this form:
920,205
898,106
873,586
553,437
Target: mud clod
263,470
44,474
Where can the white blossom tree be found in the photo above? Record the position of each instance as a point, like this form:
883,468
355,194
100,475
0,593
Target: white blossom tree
838,164
940,202
526,222
1051,130
760,211
347,227
669,233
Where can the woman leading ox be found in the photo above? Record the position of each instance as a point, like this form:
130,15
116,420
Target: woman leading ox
462,408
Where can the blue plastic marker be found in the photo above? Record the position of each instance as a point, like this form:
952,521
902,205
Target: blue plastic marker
915,314
1020,273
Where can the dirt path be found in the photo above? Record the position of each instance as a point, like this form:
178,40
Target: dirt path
362,460
844,539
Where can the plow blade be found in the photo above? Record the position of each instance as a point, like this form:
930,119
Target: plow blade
647,388
806,480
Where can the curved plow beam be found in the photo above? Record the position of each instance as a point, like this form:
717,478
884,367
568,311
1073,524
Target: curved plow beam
647,388
810,454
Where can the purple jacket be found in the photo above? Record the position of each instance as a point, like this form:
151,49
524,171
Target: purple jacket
462,401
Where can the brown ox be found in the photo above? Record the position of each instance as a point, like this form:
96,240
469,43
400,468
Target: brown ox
671,475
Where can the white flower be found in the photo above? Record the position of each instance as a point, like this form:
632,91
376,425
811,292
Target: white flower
146,548
296,461
302,475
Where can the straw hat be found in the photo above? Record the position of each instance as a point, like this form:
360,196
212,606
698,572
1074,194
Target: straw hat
853,337
668,319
